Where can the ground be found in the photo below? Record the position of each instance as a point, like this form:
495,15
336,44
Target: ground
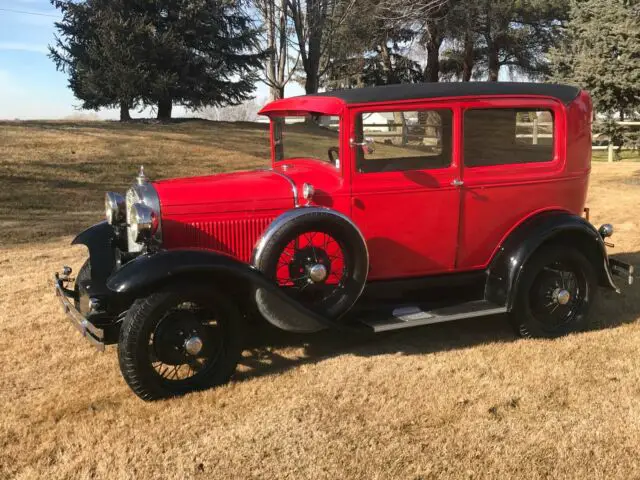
458,400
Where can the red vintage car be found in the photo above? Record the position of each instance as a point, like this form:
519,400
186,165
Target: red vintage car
384,208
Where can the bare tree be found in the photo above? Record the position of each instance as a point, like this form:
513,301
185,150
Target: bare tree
314,23
275,26
426,17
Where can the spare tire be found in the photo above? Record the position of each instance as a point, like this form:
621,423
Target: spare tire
320,258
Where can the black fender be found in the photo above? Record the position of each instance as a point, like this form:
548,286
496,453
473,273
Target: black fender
99,240
153,271
555,226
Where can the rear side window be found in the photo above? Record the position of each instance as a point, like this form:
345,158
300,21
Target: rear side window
502,136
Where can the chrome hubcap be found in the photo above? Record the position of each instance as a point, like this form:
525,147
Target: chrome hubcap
561,296
317,273
193,345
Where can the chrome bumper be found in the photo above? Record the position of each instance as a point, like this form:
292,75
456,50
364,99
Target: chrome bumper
621,269
89,331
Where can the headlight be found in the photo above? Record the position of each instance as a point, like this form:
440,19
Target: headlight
143,222
114,208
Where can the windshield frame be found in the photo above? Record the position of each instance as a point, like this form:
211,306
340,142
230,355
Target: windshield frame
278,151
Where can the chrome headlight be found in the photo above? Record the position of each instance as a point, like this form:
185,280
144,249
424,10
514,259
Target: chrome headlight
114,208
143,212
143,222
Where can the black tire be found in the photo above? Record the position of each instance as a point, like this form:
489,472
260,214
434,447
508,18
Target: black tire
137,346
84,276
537,312
355,272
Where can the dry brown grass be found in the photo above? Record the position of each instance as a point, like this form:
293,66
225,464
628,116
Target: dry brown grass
459,400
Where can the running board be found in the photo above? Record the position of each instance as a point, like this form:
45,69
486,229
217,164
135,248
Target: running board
414,316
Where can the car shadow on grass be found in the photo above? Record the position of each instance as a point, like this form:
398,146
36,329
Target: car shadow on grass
272,351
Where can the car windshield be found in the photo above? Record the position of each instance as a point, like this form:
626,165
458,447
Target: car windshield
311,137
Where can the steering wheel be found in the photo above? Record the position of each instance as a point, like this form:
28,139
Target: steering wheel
331,151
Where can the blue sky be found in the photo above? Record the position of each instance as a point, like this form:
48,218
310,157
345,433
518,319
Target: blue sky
30,86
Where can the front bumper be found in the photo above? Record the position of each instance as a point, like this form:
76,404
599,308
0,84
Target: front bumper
88,330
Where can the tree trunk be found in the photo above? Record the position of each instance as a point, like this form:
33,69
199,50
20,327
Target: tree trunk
164,109
387,67
468,59
432,70
494,64
311,82
124,112
271,46
276,93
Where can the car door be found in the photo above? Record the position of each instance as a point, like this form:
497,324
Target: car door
513,159
405,197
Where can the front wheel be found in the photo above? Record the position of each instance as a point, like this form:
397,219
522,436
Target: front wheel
555,293
179,340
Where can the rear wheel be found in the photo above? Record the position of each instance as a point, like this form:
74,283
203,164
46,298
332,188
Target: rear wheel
555,294
179,340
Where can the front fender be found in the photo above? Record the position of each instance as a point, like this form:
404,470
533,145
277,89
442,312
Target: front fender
99,240
150,272
505,269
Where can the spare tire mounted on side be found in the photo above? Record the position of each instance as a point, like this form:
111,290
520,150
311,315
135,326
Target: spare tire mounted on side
319,257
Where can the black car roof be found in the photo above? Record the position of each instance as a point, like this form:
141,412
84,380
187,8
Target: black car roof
410,91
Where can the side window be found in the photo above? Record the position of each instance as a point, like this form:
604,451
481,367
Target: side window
403,140
501,136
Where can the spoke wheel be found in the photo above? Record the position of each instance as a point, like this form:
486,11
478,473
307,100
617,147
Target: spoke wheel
555,293
313,268
180,339
186,340
320,261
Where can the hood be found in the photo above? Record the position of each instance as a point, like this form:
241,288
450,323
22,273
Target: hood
224,193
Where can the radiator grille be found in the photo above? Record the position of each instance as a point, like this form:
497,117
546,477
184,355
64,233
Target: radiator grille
234,237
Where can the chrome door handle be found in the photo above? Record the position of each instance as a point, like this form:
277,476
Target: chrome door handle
456,182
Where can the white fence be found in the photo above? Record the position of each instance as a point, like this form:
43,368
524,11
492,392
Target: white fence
610,147
536,126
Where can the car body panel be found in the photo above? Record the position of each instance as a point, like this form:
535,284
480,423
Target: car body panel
415,222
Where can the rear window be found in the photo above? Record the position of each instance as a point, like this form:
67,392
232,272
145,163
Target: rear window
502,136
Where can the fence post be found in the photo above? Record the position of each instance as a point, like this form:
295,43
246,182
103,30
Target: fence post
535,131
610,152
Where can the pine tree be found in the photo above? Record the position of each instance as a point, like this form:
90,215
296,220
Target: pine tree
202,53
99,47
601,53
197,53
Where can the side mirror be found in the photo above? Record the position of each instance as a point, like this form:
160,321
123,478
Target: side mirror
367,145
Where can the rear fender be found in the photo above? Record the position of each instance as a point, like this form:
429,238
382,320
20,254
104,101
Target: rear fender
150,272
548,227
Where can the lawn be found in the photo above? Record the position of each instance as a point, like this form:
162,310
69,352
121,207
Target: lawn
458,400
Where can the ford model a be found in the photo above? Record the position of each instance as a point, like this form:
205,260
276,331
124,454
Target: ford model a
384,208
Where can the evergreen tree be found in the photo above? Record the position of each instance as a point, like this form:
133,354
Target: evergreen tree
601,53
99,47
196,53
201,53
